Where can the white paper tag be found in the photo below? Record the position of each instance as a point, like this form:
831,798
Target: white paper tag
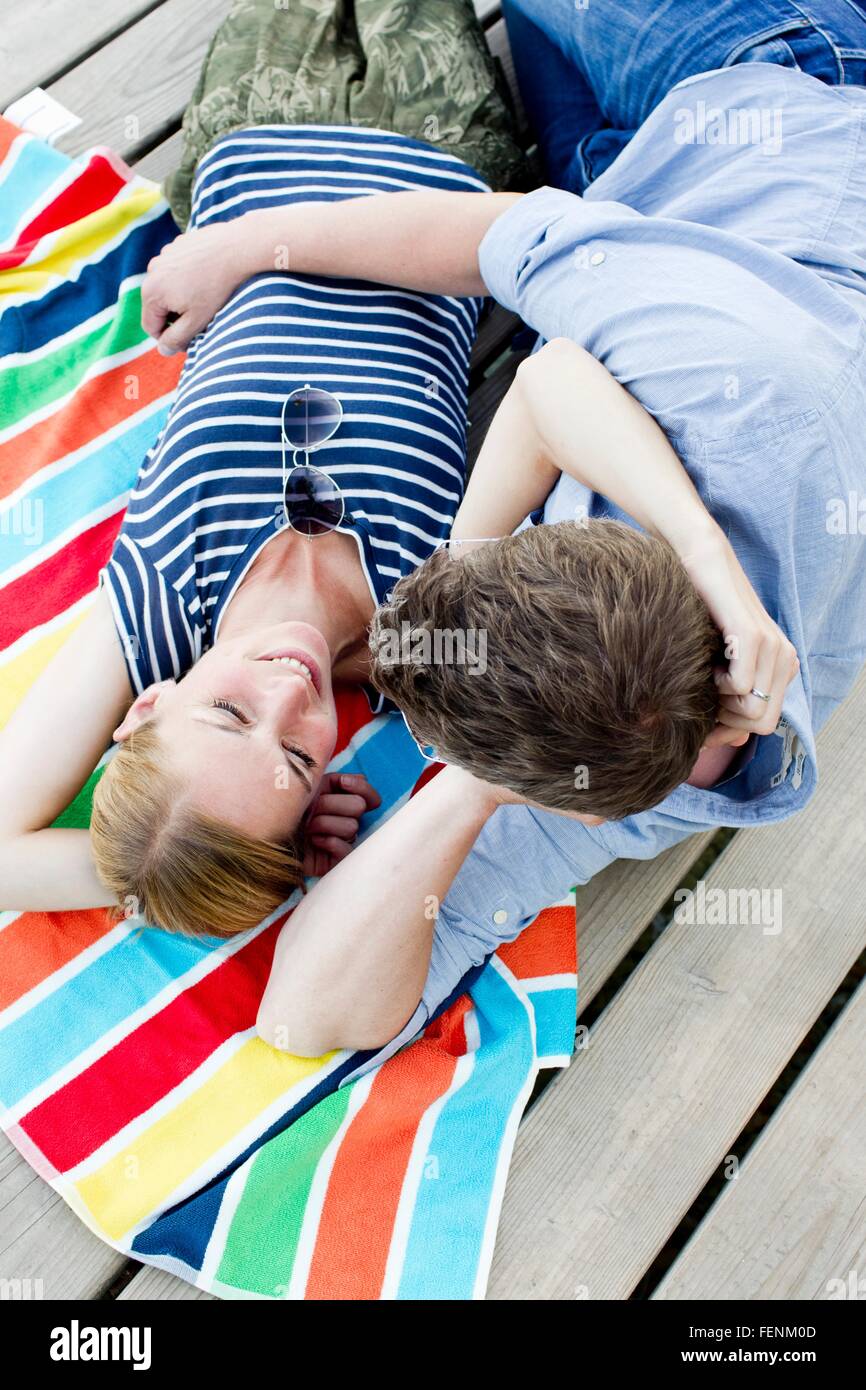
42,115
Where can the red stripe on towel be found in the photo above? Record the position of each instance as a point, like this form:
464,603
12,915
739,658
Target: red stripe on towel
60,581
157,1056
94,187
353,712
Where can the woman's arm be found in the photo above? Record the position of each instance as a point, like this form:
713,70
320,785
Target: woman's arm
48,749
396,239
352,959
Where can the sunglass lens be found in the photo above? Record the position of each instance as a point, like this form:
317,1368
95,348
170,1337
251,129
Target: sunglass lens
310,417
313,503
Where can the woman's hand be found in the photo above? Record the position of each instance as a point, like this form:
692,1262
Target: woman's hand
332,820
760,657
189,282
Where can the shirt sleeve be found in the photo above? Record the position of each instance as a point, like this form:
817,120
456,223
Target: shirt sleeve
523,861
158,639
729,314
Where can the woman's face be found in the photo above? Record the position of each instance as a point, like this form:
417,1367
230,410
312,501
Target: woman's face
250,728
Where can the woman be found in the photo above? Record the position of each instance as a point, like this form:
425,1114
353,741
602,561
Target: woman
242,584
206,550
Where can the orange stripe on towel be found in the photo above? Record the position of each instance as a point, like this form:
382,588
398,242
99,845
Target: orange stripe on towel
369,1171
8,133
548,946
96,407
36,944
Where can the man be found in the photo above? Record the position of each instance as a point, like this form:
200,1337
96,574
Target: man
717,268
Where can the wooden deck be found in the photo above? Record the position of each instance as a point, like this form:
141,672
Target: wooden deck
707,1140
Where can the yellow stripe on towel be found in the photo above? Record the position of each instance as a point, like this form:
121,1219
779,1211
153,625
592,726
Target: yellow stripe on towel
19,673
139,1180
78,243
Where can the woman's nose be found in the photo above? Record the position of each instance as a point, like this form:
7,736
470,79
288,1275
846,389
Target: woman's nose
290,699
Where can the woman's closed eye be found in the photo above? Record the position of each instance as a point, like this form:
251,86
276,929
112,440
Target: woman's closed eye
231,709
302,756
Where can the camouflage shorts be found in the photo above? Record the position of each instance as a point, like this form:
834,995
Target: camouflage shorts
416,67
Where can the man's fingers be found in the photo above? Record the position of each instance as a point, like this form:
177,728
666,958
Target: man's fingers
733,720
776,664
723,737
737,680
761,712
316,862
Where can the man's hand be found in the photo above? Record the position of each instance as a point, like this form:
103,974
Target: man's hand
333,819
760,656
189,282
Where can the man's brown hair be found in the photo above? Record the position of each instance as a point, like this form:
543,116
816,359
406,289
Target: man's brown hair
598,689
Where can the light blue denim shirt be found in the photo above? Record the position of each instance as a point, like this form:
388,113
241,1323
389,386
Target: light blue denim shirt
718,270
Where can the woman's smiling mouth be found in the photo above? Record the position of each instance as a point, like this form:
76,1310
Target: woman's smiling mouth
300,661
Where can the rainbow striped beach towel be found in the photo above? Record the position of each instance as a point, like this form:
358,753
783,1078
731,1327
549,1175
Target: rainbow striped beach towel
131,1075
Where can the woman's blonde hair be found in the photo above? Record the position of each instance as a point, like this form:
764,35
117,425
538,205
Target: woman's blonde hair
171,864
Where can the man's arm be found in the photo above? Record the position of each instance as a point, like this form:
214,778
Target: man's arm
48,749
424,241
565,413
351,961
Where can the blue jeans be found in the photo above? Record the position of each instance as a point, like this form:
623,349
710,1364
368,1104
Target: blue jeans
590,71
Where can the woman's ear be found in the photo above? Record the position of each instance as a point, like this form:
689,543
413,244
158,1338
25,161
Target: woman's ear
141,709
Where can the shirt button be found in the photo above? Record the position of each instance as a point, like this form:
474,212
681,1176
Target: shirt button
596,258
500,916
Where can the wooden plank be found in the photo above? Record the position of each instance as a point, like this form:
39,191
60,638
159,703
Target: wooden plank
485,400
40,41
617,1148
616,906
136,88
497,42
153,1283
127,101
792,1221
495,333
42,1239
162,160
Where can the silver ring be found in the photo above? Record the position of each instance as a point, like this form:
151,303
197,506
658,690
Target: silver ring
760,694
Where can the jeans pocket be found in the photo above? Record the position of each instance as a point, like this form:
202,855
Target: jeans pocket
854,68
799,44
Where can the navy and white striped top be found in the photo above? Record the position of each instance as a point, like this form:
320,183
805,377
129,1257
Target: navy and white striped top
209,493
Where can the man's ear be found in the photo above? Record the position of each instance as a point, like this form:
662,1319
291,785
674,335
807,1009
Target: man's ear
142,708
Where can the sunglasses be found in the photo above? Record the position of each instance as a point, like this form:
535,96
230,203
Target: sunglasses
312,502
